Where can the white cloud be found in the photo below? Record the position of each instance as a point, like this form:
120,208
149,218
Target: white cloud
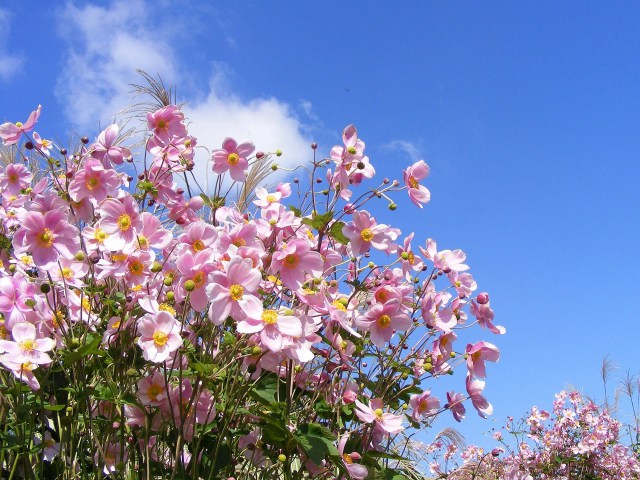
10,64
107,44
407,147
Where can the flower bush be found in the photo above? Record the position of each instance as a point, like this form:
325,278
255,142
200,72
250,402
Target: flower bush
152,328
577,440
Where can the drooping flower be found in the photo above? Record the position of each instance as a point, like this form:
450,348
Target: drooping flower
11,132
474,389
456,405
418,194
477,354
374,413
423,405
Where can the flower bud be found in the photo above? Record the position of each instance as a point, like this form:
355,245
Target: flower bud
278,153
189,285
170,296
259,155
282,458
45,288
483,298
393,206
79,256
274,167
156,267
314,145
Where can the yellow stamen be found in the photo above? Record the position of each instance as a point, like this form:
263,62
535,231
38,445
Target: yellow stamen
197,245
160,338
269,317
384,321
366,234
46,238
233,159
124,222
291,261
236,291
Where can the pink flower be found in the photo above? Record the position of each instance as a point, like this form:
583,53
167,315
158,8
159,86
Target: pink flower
94,181
412,175
106,150
42,144
477,354
356,471
46,237
484,315
382,320
274,328
424,405
11,132
195,269
232,292
474,389
166,124
364,233
153,390
232,157
454,403
159,336
374,413
26,347
120,220
14,177
295,261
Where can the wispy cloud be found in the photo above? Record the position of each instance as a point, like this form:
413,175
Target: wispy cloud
10,63
110,42
407,147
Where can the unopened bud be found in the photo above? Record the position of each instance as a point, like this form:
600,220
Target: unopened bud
393,206
79,256
156,267
189,285
483,298
278,153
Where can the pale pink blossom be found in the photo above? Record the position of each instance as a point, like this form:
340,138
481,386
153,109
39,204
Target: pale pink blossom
295,261
11,132
159,336
364,232
120,221
455,404
418,194
14,177
474,389
387,422
26,347
382,320
106,150
94,181
477,354
423,405
42,144
233,158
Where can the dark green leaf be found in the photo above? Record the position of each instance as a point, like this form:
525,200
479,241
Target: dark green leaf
336,233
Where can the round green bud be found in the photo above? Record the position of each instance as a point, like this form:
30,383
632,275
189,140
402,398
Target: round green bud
12,267
170,296
393,206
132,372
452,354
167,281
371,265
278,153
352,150
79,256
404,375
428,367
189,285
156,267
256,350
405,406
404,256
282,458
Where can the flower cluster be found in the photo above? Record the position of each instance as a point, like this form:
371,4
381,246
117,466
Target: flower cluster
183,331
576,440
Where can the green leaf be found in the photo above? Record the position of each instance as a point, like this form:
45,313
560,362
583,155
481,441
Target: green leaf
315,447
54,408
336,233
318,220
295,210
265,390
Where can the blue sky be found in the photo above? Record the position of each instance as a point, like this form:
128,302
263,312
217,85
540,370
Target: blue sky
528,114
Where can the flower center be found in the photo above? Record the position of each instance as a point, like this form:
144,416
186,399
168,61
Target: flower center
384,321
160,338
352,150
92,183
67,272
239,242
378,412
347,458
143,241
366,235
291,261
165,307
197,245
154,391
100,235
233,159
124,222
162,125
46,238
199,279
27,346
136,267
413,183
269,317
236,291
271,198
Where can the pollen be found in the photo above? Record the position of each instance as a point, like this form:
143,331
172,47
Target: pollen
27,346
366,234
233,159
271,198
143,242
347,458
236,291
378,412
162,125
100,235
124,222
384,321
154,391
339,305
160,338
165,307
239,242
269,317
66,272
46,238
